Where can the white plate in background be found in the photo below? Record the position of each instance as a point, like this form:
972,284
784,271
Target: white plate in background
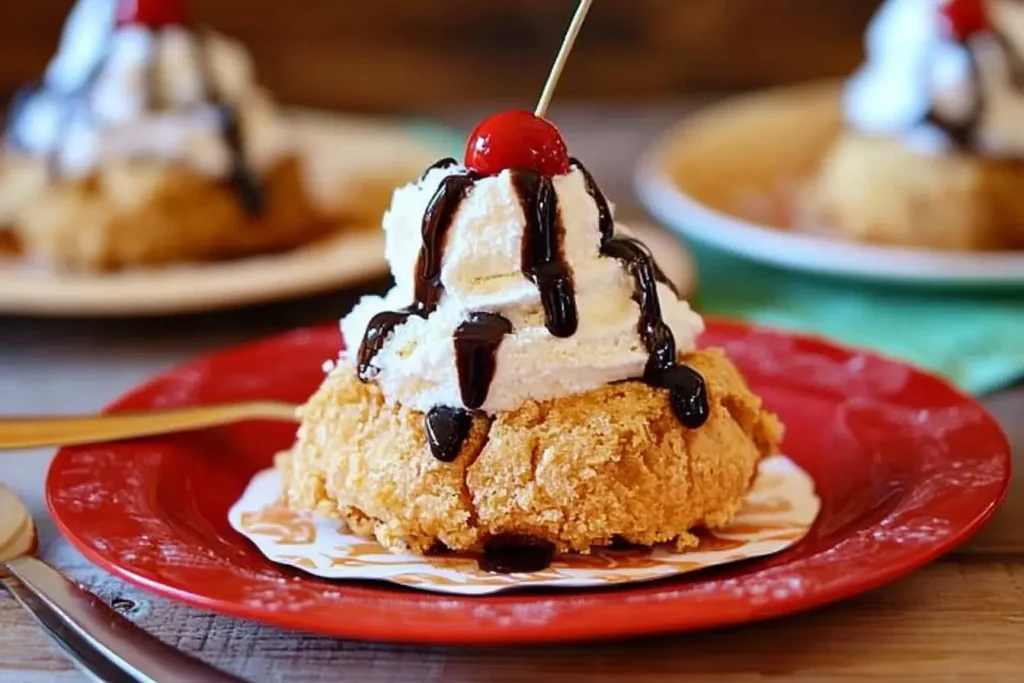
774,139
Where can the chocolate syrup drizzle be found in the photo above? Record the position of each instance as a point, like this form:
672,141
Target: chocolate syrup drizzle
476,341
964,132
476,344
155,100
476,349
427,290
242,178
447,429
447,162
687,390
543,252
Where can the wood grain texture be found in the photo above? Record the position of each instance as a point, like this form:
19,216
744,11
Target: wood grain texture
955,620
961,618
1004,534
405,54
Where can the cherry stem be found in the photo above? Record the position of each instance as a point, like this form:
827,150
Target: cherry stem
563,56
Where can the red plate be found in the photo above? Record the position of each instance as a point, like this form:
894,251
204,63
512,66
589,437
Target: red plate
906,466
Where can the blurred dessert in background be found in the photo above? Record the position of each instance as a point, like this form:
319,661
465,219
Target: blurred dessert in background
934,142
149,141
530,385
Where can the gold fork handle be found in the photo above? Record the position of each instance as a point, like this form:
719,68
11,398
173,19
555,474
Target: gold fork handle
35,432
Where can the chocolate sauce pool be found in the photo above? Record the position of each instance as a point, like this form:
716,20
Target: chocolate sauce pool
504,554
516,553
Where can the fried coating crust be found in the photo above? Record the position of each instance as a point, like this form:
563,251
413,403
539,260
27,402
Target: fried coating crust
876,190
146,214
577,471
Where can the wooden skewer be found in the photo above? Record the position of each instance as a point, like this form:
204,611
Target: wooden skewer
563,55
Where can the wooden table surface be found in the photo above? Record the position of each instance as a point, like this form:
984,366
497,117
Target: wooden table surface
961,618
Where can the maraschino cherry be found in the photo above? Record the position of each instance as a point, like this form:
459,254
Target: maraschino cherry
152,14
965,18
517,139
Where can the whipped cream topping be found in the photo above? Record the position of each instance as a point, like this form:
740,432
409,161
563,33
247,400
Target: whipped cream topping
939,94
481,272
117,94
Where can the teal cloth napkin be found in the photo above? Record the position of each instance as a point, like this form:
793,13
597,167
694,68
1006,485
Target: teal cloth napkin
974,339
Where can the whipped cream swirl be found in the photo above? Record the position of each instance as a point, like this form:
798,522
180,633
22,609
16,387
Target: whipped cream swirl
114,94
542,350
939,94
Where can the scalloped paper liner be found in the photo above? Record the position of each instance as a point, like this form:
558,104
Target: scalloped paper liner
778,513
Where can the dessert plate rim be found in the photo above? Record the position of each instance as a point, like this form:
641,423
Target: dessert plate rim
672,205
153,512
347,257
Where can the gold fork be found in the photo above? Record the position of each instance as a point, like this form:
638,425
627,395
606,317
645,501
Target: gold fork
35,432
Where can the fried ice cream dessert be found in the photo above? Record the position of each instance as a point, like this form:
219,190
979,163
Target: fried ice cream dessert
931,155
531,384
149,142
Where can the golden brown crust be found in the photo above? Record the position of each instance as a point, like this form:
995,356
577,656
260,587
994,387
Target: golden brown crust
576,471
877,190
144,213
